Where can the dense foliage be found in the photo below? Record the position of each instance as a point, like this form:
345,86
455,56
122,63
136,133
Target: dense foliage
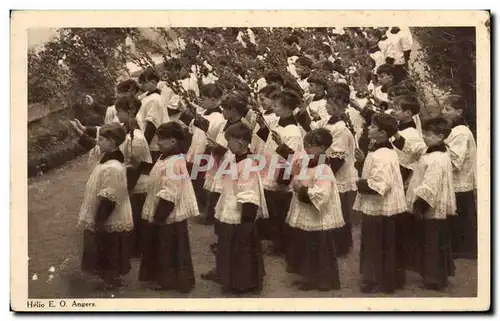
449,59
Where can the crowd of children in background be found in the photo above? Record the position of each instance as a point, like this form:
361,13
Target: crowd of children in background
345,103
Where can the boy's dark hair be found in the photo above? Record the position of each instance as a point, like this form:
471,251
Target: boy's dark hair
337,93
128,85
317,79
385,69
171,130
113,131
239,131
211,91
290,40
273,76
148,75
376,33
457,102
223,60
326,49
385,122
437,125
304,62
236,103
405,87
313,52
319,137
292,51
128,103
408,102
239,69
269,90
343,86
289,98
209,40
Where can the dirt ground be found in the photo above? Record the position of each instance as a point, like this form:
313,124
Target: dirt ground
55,242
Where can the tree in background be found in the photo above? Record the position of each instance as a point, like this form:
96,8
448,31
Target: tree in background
79,62
448,56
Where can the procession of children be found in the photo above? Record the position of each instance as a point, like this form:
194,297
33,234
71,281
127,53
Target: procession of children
334,142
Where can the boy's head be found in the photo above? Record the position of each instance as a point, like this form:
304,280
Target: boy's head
313,54
171,136
238,138
265,96
111,136
405,107
291,40
382,127
326,49
385,75
234,107
374,36
337,100
435,131
317,84
127,108
148,80
210,95
127,87
303,66
317,141
274,77
286,102
454,107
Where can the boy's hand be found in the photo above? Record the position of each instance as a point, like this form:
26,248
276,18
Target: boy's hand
296,186
359,155
314,115
74,125
79,124
397,135
134,162
354,104
211,143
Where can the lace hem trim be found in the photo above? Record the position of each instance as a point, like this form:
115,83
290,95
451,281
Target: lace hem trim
108,193
125,227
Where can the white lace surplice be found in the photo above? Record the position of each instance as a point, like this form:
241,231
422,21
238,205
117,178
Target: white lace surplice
107,180
381,170
432,181
238,189
169,180
325,212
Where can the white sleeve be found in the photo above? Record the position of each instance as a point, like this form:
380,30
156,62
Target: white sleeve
247,190
457,146
431,184
109,180
154,113
340,144
170,188
405,42
140,149
320,192
377,179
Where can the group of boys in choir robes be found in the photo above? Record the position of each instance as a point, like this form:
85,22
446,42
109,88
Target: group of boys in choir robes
413,184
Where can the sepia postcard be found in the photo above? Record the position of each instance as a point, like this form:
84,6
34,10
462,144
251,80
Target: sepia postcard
250,161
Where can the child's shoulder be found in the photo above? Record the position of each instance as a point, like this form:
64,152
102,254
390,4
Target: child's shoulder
292,130
437,157
461,130
112,166
384,155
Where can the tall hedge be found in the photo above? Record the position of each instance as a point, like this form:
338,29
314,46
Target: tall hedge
449,57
